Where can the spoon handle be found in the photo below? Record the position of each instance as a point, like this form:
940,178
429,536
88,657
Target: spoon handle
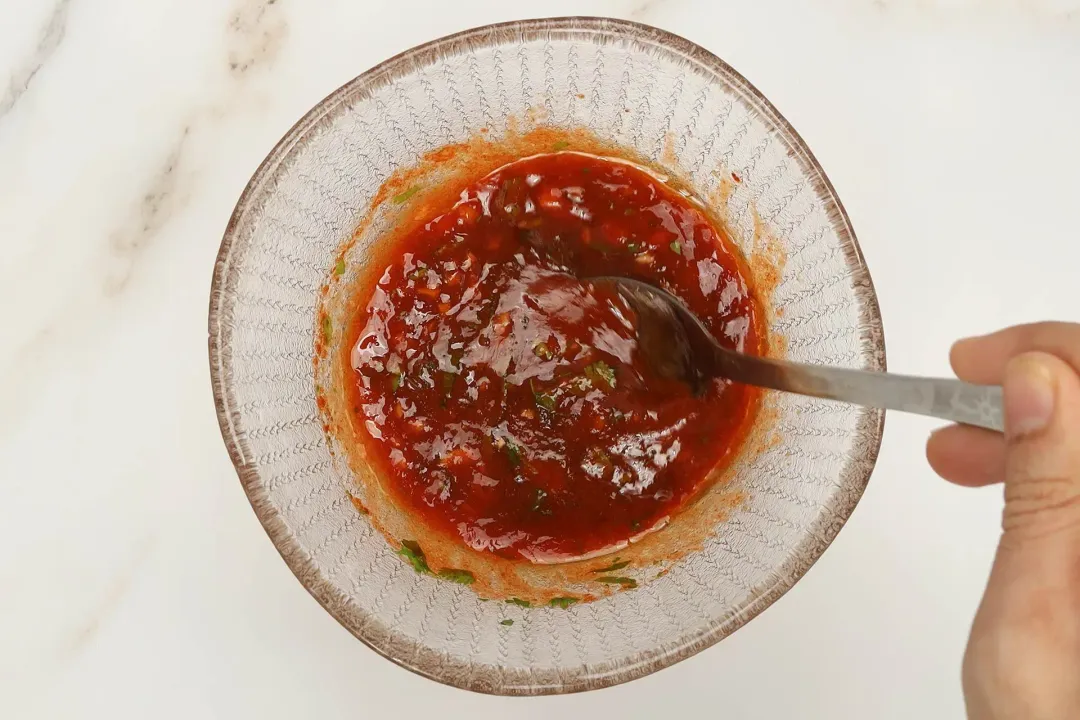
978,405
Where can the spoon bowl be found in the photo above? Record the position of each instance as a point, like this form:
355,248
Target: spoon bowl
677,346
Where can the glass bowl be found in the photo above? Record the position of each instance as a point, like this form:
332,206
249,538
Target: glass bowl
668,102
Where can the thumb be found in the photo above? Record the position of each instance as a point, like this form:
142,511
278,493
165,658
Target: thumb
1023,658
1042,458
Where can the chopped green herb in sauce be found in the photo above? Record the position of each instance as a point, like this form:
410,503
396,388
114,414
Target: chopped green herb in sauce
563,602
617,565
530,223
513,452
543,351
600,457
519,602
507,622
396,380
561,145
545,401
542,399
602,372
627,583
327,328
676,247
402,197
459,576
410,550
539,502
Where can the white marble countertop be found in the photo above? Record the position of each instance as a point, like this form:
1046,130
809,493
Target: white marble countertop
135,580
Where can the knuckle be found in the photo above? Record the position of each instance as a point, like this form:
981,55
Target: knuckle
1039,507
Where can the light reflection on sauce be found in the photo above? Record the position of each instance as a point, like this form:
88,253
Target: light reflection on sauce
504,396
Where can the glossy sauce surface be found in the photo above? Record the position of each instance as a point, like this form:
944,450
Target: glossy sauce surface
502,393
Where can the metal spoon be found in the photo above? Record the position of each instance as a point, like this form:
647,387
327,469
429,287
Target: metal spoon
677,346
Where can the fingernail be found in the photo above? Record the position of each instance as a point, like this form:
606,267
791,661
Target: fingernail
1029,396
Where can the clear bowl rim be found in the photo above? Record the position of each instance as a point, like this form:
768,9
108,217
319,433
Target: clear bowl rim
486,679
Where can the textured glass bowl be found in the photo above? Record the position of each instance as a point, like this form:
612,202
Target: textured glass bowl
644,89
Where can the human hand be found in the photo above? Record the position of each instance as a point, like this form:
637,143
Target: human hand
1023,656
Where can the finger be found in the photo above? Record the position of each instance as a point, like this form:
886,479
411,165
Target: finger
1042,460
1022,657
982,360
967,456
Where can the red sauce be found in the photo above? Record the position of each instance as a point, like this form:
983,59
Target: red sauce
502,392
